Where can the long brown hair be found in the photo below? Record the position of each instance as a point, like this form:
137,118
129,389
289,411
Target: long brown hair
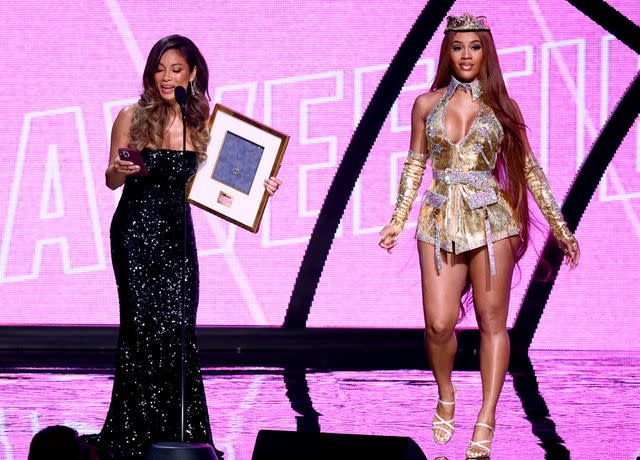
511,161
152,113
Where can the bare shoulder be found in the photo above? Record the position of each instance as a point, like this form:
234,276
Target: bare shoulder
427,101
125,118
126,114
122,126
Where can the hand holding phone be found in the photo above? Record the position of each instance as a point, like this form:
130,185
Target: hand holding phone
134,156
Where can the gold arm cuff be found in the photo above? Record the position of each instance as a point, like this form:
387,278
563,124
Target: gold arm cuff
541,192
410,182
397,226
564,233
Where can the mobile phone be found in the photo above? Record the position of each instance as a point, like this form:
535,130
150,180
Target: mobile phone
134,156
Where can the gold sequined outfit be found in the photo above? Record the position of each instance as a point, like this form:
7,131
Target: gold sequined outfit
464,207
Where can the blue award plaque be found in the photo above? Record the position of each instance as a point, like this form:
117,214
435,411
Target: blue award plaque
237,162
241,154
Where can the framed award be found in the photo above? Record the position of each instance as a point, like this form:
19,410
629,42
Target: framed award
242,153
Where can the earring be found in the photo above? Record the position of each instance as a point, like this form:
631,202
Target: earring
193,89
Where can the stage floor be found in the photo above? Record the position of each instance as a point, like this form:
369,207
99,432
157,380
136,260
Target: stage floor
560,405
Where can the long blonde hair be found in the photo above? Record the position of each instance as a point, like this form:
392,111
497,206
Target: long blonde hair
152,113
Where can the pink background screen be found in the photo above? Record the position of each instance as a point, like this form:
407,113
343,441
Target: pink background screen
308,69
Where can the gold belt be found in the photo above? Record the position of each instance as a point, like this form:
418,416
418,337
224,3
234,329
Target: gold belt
482,180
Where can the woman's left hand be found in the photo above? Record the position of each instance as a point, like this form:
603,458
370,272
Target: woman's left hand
571,249
272,184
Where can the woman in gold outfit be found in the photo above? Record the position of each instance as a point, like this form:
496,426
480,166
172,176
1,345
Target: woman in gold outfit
473,226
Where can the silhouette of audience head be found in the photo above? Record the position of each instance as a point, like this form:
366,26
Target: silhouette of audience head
57,442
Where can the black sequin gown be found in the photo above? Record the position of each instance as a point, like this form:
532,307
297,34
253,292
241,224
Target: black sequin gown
156,269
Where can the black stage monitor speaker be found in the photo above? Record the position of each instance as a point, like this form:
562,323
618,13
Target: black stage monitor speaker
290,445
180,451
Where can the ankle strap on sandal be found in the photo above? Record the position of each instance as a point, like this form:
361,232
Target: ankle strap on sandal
449,403
484,425
446,403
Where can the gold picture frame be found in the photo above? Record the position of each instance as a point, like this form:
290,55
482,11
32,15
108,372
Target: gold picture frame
242,153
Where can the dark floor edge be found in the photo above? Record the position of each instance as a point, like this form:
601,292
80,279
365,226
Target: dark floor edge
220,339
327,348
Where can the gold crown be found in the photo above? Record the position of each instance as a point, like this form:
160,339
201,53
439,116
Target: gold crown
466,23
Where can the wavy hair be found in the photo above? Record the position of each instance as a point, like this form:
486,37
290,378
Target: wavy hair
153,113
510,164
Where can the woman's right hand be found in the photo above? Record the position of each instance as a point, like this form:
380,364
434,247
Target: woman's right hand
388,237
570,247
124,167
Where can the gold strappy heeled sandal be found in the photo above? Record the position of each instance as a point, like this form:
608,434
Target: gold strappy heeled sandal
483,445
444,425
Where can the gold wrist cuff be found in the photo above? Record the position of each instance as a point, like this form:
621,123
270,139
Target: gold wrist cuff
564,233
397,225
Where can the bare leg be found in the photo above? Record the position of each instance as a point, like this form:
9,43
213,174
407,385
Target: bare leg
491,299
441,299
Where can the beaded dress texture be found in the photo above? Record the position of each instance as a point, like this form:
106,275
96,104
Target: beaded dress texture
465,207
155,263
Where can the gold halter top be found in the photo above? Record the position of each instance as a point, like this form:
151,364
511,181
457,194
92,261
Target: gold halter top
464,207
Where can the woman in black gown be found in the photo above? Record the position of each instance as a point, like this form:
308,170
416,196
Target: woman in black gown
154,257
